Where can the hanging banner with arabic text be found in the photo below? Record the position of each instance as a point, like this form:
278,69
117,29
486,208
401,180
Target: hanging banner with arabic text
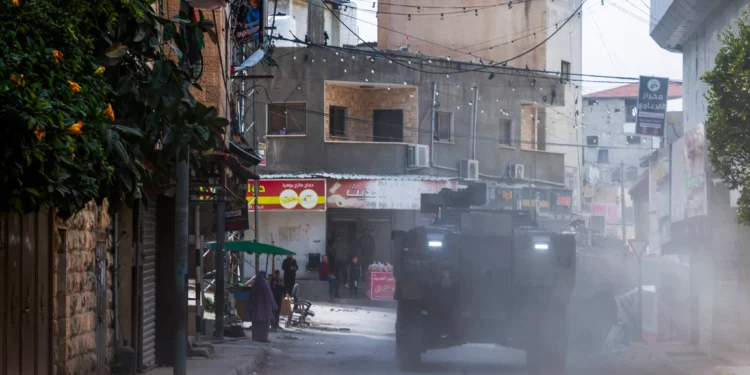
382,194
289,195
652,106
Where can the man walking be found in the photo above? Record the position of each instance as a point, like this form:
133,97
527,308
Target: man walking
337,256
366,248
326,274
290,273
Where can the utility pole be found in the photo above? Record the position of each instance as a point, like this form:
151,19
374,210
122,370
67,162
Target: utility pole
182,207
219,259
474,125
255,170
622,202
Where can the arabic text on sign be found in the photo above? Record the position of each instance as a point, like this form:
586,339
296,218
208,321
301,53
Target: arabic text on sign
251,188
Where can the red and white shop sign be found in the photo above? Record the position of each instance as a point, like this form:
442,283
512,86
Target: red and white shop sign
382,194
382,286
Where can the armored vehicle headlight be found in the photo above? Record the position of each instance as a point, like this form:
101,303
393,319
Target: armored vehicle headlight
541,246
435,244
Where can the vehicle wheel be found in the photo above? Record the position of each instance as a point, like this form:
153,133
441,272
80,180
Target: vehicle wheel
408,337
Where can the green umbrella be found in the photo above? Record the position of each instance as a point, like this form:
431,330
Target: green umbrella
251,247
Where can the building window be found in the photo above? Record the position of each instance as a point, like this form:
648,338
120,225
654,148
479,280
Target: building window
631,110
444,126
593,102
506,132
564,71
337,121
287,118
592,140
634,140
602,157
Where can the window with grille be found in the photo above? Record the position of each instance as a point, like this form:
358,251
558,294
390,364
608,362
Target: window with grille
287,119
337,121
444,126
603,157
506,132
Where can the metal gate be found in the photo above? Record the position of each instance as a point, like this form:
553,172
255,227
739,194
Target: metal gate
26,250
147,334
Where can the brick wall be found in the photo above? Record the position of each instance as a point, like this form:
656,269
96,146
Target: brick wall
212,81
362,102
528,128
75,305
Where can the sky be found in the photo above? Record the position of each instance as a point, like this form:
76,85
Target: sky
616,42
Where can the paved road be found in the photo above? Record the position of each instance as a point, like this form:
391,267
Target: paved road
368,348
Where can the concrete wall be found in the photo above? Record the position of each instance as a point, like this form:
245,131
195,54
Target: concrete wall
458,31
699,52
75,308
299,231
301,80
361,104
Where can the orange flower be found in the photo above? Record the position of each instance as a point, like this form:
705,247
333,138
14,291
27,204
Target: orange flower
16,3
99,70
109,112
76,128
58,56
39,133
74,87
15,79
73,156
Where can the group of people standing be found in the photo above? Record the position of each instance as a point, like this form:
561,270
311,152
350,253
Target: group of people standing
343,262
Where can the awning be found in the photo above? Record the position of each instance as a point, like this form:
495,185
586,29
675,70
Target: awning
251,247
353,176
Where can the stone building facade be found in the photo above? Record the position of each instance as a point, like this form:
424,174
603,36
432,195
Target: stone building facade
83,325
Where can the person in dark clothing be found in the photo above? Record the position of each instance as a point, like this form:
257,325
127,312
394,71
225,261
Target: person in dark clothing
337,256
366,248
277,287
290,273
354,276
325,273
262,307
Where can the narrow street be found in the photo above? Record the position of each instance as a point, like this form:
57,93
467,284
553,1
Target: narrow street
360,340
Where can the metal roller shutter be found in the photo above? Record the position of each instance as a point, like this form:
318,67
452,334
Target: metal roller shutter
148,287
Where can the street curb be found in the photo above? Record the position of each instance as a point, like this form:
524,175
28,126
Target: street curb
251,367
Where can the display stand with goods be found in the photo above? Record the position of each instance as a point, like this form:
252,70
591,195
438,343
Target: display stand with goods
381,284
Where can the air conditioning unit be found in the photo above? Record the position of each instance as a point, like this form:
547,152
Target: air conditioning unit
516,172
418,156
469,169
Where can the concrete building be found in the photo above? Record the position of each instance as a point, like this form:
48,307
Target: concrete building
469,30
701,222
610,142
361,123
291,20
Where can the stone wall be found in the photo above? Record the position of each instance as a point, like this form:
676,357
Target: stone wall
75,347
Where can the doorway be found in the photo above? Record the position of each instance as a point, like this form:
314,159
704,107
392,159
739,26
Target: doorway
388,125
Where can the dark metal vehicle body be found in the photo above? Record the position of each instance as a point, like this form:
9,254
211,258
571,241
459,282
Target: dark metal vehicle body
482,276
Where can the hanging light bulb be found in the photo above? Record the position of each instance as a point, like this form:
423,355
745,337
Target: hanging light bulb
389,88
342,59
367,80
410,17
354,57
437,93
337,53
429,61
419,9
482,111
294,57
390,61
411,95
442,17
344,70
409,62
372,60
471,104
404,83
324,59
458,86
447,76
312,60
458,107
299,88
372,71
449,58
476,12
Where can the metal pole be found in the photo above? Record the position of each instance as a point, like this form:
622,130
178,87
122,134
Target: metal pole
182,206
255,170
640,296
474,125
219,259
432,122
622,201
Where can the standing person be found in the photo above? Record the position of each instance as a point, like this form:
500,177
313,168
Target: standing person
290,273
337,256
277,287
262,307
366,248
355,276
325,273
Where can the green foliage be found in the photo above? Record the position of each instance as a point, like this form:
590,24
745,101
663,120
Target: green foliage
44,163
153,116
728,123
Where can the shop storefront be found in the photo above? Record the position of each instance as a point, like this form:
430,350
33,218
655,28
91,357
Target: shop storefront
291,215
379,204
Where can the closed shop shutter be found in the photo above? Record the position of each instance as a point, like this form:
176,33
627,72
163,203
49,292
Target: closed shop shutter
147,353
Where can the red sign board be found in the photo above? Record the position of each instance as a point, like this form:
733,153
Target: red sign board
288,195
382,286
